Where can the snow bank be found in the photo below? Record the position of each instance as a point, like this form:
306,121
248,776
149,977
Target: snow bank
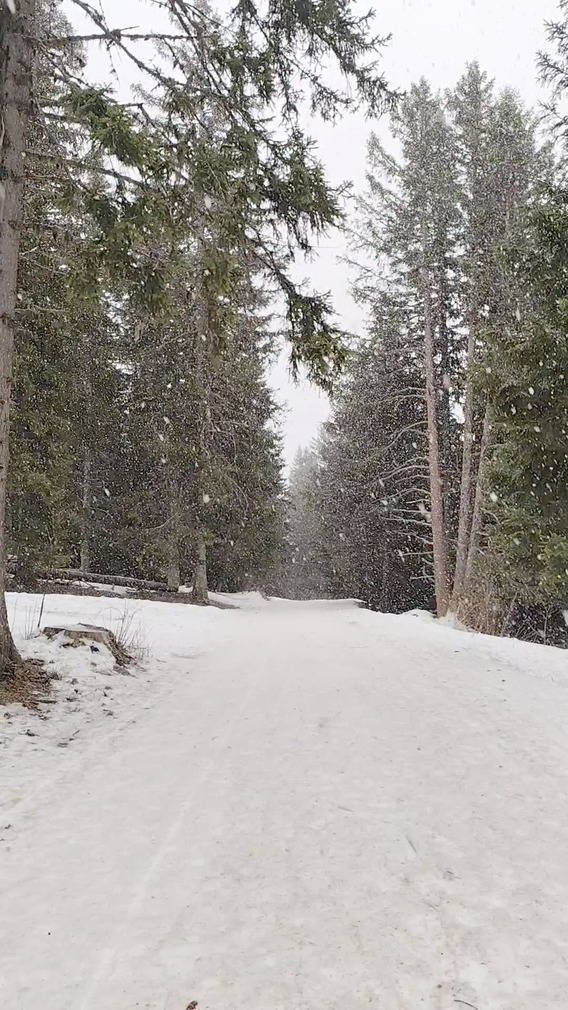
240,601
420,615
88,688
449,621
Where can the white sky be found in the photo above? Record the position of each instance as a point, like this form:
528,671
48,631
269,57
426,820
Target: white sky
431,38
434,39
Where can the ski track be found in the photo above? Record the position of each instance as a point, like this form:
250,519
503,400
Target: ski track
308,806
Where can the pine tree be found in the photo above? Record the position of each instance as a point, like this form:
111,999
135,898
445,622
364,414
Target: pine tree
436,226
499,167
553,65
249,61
358,514
409,226
527,475
308,573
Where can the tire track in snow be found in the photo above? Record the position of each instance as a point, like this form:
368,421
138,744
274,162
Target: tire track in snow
109,955
99,745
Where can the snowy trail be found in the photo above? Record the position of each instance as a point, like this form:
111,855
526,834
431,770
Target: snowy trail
321,808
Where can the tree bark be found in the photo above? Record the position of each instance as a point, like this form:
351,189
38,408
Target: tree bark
174,575
87,514
436,493
200,587
465,511
444,406
16,31
476,518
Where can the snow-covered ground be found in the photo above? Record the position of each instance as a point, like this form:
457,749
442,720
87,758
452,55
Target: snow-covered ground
289,807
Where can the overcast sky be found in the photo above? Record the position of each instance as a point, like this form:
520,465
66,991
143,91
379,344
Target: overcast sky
431,38
434,39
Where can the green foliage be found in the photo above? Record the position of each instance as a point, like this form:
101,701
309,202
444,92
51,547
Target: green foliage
356,525
528,475
111,130
443,215
218,118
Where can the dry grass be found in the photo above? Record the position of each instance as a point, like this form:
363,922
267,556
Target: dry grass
127,628
32,619
483,610
29,682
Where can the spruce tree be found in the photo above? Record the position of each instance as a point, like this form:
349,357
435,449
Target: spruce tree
436,225
251,62
526,550
499,168
358,512
409,223
309,575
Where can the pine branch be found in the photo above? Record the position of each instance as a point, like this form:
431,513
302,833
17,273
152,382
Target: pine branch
112,35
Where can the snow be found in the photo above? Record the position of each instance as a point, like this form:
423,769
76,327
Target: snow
421,615
102,587
292,805
452,621
105,588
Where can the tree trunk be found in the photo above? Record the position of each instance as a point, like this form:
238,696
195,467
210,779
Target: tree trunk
465,512
444,405
16,84
174,575
476,518
87,515
436,494
200,587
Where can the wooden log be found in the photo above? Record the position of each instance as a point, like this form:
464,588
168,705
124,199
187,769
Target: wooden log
75,574
107,580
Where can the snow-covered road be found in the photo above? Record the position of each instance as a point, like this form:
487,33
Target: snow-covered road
302,807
